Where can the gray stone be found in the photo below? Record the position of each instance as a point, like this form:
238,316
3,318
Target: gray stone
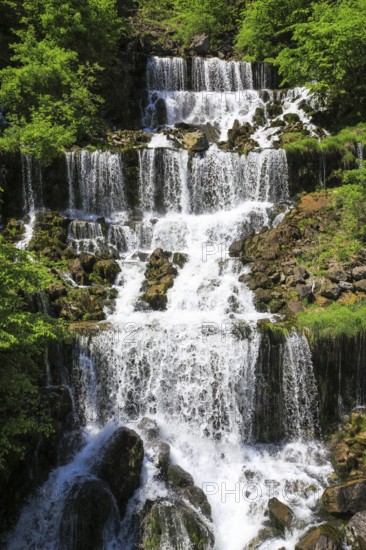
280,515
345,285
361,285
336,273
200,44
148,427
304,291
330,290
359,273
345,499
356,531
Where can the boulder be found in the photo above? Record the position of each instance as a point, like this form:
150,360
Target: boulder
237,248
280,515
105,271
330,290
336,274
345,499
323,537
361,285
148,427
88,512
200,44
169,523
160,453
356,531
120,465
196,141
179,477
359,272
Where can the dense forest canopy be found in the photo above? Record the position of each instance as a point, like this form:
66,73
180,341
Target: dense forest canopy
54,55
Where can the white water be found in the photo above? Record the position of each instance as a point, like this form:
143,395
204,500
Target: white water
193,366
221,93
32,193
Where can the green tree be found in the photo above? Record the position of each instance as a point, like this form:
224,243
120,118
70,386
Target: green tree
268,25
214,17
23,337
329,55
50,91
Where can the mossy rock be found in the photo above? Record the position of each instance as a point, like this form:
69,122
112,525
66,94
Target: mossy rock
105,271
280,515
169,523
291,118
325,536
274,109
14,230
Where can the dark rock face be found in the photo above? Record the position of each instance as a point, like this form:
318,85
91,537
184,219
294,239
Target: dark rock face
120,465
280,515
200,44
356,531
179,477
346,499
324,537
89,512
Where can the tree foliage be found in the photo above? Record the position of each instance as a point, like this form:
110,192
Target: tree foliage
23,337
49,90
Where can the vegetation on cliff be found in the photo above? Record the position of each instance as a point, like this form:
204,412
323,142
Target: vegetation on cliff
50,86
24,335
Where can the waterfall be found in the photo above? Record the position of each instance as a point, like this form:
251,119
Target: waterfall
85,236
216,75
166,73
221,179
194,367
96,182
32,183
359,150
299,389
163,180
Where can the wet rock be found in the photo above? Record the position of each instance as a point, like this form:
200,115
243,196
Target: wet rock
148,427
160,274
200,44
345,499
359,273
179,477
259,117
88,512
323,537
237,248
280,515
120,465
263,535
56,291
180,259
198,499
172,523
295,306
77,272
356,531
291,118
160,452
105,271
196,141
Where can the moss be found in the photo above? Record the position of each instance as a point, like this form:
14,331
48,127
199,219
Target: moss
333,322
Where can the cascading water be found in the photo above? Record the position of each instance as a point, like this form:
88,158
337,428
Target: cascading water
219,93
96,183
193,367
32,182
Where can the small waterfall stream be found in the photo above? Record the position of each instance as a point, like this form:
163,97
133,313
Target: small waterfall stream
193,367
